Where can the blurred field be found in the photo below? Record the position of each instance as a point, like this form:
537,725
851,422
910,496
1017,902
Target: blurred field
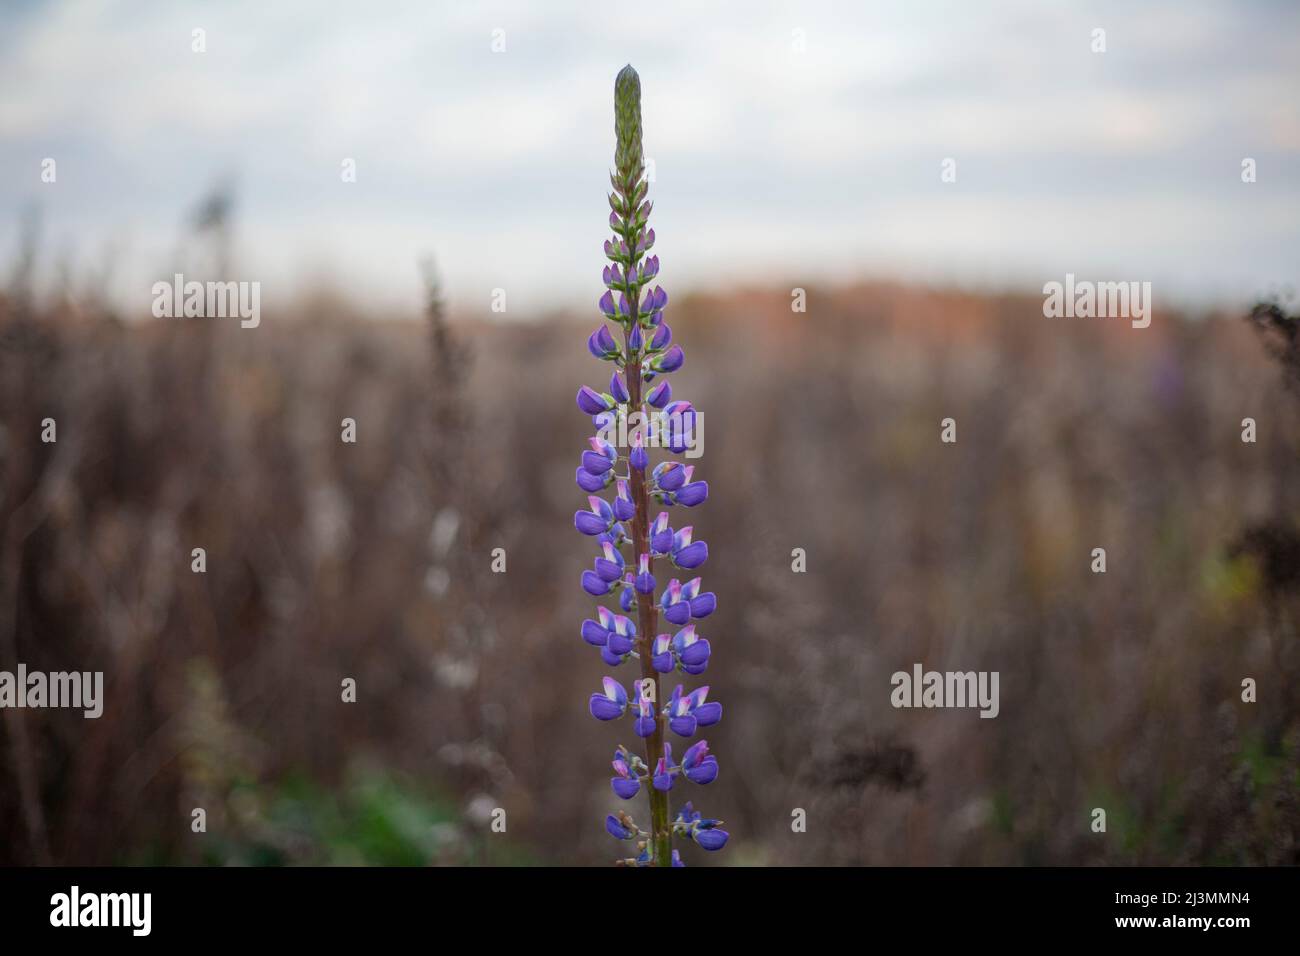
372,561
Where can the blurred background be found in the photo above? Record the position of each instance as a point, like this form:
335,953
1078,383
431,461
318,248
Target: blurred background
794,146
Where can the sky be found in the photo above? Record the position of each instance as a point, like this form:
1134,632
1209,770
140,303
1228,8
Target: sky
792,143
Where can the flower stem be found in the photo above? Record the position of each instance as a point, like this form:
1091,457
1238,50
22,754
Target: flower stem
629,164
647,624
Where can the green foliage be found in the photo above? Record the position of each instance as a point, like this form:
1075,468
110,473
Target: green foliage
373,819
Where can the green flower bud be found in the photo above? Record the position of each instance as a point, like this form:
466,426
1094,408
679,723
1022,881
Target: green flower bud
627,122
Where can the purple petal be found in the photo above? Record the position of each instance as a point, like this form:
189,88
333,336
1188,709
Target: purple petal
614,691
591,401
639,458
589,482
596,463
615,828
678,613
594,634
692,494
589,523
602,708
683,726
671,360
711,839
607,570
671,477
692,556
663,335
593,585
660,395
706,715
704,605
695,654
704,772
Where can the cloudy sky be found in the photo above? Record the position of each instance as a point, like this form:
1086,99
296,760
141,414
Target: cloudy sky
792,142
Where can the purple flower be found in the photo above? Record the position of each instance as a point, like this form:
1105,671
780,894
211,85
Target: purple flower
670,475
645,581
671,478
670,361
665,770
601,457
662,658
692,494
690,650
698,764
627,781
591,401
686,553
599,520
607,300
610,567
624,507
616,828
589,482
596,633
691,556
681,602
663,335
687,712
676,608
638,458
618,389
614,634
602,345
693,826
660,395
611,704
594,584
622,635
646,722
710,838
685,649
702,605
645,352
680,425
661,535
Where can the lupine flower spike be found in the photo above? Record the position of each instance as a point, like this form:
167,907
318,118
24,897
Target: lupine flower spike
628,539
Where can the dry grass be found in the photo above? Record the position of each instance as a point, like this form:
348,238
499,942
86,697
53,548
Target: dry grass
371,560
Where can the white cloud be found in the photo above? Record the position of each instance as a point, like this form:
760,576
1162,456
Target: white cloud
825,160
